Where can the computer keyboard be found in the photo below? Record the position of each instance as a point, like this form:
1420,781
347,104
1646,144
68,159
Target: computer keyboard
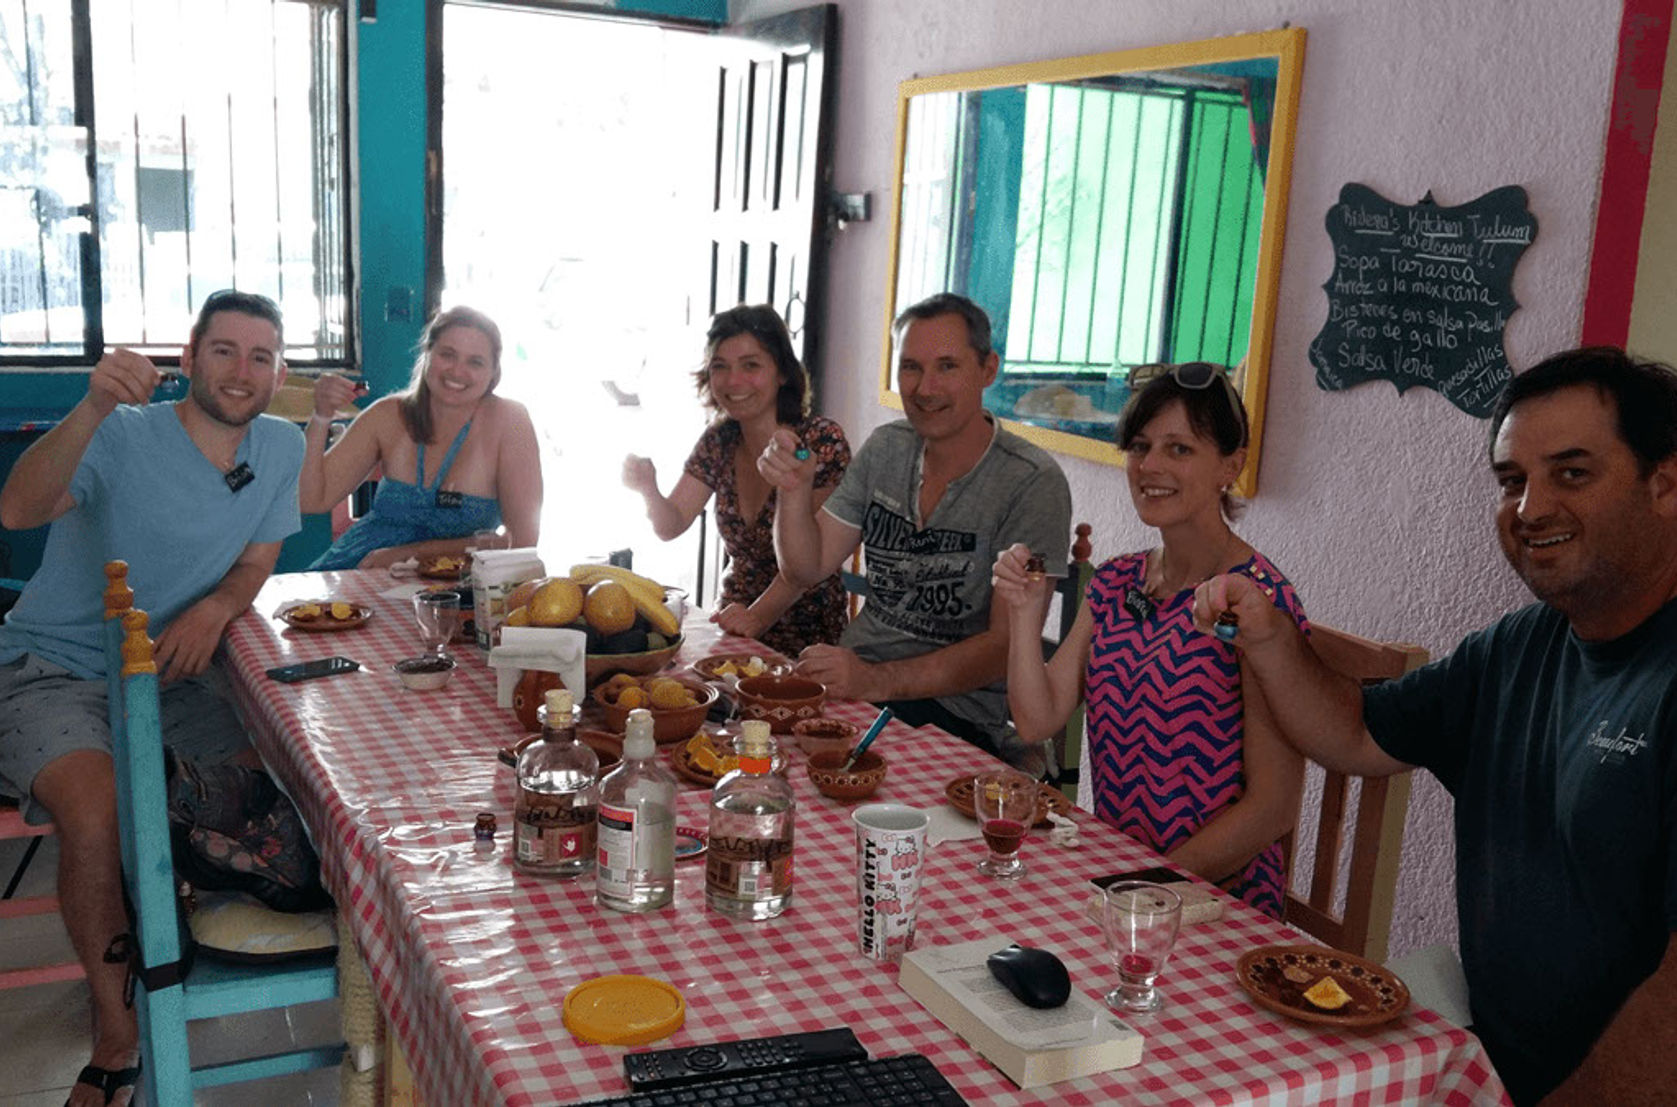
908,1080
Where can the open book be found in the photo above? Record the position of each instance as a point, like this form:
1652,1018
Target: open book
1031,1046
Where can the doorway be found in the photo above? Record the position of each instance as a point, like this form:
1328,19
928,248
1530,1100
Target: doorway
567,216
602,185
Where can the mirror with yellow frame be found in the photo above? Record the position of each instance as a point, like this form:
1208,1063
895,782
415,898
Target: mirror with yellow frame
1106,211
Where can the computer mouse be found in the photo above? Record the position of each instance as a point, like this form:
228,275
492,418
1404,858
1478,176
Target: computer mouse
1035,976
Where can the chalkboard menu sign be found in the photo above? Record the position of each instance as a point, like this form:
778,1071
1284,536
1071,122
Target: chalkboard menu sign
1420,294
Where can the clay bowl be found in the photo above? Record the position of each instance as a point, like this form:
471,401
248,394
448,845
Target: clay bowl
781,701
825,736
608,747
598,666
831,780
669,724
424,674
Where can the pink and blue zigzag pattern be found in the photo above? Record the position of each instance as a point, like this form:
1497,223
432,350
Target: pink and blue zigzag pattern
1164,720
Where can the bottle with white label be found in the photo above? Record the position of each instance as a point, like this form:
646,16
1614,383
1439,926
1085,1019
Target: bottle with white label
748,866
558,794
635,870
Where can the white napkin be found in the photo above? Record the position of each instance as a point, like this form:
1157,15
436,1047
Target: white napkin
945,824
550,649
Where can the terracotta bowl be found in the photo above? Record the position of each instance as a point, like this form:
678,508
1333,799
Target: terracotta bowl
831,780
825,735
782,701
598,666
669,724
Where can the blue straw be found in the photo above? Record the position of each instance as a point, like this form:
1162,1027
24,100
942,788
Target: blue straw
867,739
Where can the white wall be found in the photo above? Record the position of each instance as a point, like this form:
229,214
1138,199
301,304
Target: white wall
1378,506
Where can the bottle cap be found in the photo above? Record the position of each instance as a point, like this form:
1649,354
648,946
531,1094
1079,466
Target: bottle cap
638,742
624,1010
558,701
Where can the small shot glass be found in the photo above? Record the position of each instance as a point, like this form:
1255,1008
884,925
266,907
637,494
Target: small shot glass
1227,626
1036,567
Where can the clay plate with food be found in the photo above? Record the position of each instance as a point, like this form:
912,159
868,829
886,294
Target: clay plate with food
608,747
959,794
443,568
699,761
1324,986
730,667
325,615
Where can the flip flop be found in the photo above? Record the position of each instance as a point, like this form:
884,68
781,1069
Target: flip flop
109,1081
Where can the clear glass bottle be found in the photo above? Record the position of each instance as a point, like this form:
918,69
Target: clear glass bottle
748,866
558,794
635,870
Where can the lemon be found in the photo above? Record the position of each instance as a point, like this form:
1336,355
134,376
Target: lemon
608,608
556,603
342,611
1327,994
669,693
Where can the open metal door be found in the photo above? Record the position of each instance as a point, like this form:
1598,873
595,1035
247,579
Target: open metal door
768,220
773,169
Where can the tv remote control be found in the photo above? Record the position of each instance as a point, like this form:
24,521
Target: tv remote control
668,1068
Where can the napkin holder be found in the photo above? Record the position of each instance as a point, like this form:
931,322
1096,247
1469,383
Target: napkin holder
549,649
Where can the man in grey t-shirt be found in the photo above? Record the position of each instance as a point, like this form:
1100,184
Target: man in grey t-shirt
931,500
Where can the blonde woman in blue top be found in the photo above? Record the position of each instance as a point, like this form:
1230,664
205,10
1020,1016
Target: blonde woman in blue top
455,458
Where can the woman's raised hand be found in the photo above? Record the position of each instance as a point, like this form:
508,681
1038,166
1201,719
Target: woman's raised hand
332,393
781,464
639,474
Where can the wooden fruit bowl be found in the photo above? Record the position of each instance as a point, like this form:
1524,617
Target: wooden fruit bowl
598,666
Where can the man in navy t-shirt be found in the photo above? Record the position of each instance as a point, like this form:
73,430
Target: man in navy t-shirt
1554,729
196,496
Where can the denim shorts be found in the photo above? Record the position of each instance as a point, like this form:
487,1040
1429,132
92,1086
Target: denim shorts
47,712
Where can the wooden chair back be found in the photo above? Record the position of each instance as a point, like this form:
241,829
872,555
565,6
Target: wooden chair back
1072,588
169,991
1365,849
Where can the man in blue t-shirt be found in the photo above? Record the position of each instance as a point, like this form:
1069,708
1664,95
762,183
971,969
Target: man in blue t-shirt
1555,729
196,496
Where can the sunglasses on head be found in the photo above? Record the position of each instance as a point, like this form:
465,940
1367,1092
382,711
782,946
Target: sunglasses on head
1193,375
1196,376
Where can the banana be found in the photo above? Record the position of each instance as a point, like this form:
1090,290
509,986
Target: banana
648,595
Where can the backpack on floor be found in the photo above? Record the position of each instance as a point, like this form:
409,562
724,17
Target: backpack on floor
233,830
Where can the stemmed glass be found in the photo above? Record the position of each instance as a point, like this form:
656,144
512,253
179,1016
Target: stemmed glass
1141,921
438,616
1004,803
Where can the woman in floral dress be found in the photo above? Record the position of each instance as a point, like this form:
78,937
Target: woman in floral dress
754,382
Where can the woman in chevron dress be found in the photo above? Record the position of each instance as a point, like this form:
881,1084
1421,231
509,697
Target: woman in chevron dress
1184,755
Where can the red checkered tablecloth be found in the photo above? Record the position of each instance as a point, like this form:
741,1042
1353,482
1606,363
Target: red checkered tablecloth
472,959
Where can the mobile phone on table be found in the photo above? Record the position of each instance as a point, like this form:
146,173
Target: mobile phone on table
1156,875
308,670
1199,904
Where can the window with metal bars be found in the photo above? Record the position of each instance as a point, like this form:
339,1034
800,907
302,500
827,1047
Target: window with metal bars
154,151
1138,229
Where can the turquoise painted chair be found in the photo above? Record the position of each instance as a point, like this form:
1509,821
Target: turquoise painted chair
167,993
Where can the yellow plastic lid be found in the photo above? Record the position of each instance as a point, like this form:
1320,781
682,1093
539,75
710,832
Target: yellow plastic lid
624,1010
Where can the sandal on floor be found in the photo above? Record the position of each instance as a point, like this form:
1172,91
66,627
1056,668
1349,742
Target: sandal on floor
109,1081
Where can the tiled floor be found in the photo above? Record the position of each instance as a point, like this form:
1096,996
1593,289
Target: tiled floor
45,1034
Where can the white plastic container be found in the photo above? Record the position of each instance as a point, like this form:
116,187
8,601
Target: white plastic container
495,575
